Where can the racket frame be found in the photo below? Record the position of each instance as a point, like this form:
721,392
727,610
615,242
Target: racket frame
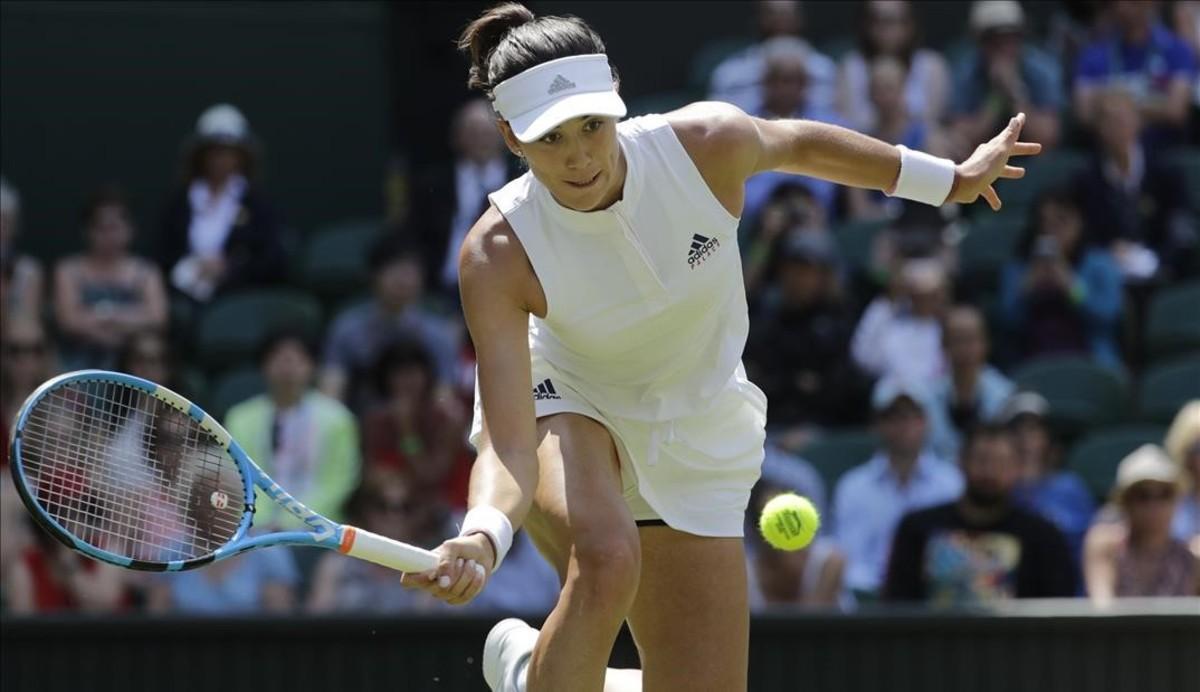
324,533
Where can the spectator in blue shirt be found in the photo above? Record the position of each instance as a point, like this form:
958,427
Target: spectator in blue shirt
787,94
900,477
971,391
1062,296
1057,494
1146,58
1003,76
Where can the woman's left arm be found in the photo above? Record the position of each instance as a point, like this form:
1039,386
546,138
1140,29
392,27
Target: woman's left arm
718,135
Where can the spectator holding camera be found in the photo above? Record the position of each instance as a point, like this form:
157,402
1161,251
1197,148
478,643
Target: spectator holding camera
106,294
1137,555
1062,296
799,342
1003,75
220,232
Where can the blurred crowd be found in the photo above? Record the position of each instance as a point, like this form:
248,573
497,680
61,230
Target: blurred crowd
889,352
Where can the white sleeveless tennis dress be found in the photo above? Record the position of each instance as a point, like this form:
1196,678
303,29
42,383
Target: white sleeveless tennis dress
644,331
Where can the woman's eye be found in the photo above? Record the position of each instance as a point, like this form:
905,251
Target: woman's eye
550,138
592,125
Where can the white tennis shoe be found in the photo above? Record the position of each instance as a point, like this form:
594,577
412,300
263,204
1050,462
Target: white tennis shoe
506,655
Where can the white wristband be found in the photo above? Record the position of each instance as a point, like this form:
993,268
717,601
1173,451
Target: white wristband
492,523
923,178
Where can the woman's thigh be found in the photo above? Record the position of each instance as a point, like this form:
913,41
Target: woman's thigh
691,616
578,497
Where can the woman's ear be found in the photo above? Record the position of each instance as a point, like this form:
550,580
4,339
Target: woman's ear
510,139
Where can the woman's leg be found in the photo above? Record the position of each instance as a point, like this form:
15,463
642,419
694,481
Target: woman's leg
581,524
691,616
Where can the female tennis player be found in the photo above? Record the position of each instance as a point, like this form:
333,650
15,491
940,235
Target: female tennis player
607,281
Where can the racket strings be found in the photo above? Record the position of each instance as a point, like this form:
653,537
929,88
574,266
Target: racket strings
127,473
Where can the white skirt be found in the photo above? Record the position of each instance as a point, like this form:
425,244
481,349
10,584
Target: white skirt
694,472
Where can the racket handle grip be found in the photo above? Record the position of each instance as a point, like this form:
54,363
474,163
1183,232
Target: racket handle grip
385,551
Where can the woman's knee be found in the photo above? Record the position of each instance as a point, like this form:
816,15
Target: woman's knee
608,564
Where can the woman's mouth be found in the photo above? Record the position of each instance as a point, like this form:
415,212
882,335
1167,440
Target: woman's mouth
587,183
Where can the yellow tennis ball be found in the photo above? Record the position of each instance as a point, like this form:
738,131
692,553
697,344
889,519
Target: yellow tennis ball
789,521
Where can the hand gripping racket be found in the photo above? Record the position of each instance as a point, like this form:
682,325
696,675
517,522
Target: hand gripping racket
129,472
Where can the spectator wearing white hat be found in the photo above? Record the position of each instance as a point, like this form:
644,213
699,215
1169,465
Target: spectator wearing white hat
23,277
1138,556
1003,75
219,231
903,475
900,335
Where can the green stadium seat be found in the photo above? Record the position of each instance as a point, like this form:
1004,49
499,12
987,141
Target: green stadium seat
854,240
233,326
989,243
1082,394
334,263
1188,163
1166,387
661,102
1095,458
837,452
234,387
1173,323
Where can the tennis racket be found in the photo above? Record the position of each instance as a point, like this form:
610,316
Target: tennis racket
129,472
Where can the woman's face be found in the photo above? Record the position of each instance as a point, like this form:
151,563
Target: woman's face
1150,506
579,161
407,381
221,162
1063,222
110,230
1033,446
889,26
391,512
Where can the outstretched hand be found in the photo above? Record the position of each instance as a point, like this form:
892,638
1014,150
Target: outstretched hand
989,161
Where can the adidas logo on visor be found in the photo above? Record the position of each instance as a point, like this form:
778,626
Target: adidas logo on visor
560,83
701,248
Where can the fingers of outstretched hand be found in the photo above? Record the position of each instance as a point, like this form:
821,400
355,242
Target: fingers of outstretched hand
993,200
1014,127
1012,172
1025,149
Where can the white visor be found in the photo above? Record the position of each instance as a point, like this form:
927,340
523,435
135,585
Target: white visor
543,97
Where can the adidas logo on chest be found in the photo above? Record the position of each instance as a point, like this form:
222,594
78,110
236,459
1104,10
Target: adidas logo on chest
702,248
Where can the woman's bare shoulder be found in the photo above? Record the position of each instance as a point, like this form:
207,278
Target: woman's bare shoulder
494,260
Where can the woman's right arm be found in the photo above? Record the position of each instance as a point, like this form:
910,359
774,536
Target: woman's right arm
1099,561
499,291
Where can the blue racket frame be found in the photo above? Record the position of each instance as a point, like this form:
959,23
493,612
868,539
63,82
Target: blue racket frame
324,533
